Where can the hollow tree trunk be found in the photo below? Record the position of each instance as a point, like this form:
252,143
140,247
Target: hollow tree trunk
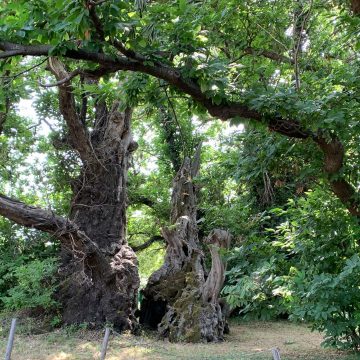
98,289
180,299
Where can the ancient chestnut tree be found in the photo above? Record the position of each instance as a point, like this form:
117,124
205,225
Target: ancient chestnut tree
291,66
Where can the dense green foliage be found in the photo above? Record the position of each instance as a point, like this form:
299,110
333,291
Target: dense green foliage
27,269
35,285
297,257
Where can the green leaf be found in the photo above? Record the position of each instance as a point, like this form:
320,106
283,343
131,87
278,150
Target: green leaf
182,6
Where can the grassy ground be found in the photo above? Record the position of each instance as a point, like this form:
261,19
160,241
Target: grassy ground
251,341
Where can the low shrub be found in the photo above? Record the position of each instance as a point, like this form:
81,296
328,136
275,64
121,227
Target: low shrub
34,286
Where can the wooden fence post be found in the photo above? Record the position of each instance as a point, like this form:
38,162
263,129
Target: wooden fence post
105,344
11,340
276,354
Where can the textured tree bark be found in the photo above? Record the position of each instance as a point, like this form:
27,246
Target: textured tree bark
334,154
2,121
180,299
5,102
103,290
355,7
99,271
97,290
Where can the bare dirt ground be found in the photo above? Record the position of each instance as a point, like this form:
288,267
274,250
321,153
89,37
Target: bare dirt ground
251,340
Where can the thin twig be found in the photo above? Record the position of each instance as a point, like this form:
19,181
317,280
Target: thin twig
177,121
24,71
95,3
298,46
64,80
271,35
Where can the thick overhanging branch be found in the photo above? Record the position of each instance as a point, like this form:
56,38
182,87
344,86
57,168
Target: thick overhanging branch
109,64
63,229
333,162
224,111
30,216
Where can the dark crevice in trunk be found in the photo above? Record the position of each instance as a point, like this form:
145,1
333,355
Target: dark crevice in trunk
355,7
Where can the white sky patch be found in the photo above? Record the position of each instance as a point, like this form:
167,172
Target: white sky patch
227,130
35,160
306,45
275,78
137,213
26,109
150,165
175,20
230,130
289,31
36,157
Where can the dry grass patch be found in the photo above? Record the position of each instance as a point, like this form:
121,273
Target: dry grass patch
252,341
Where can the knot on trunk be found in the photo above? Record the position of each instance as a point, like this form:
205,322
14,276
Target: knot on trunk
125,260
333,151
219,237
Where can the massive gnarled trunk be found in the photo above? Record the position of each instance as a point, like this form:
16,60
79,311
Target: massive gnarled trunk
94,291
180,299
99,271
98,289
